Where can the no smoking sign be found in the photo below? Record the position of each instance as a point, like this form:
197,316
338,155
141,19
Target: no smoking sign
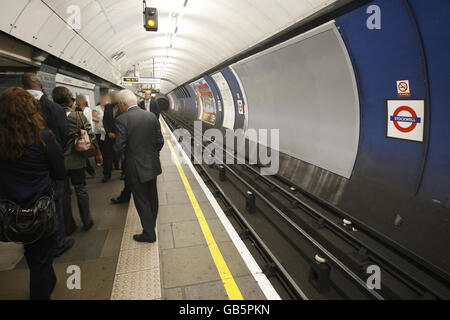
403,88
406,119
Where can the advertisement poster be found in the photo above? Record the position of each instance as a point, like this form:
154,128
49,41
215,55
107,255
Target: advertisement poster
205,101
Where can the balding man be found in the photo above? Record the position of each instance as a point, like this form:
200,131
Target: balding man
139,138
54,115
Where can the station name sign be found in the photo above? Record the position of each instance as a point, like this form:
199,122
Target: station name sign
63,79
130,80
141,80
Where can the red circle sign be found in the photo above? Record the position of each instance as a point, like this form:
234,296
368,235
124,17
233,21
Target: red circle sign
403,86
413,114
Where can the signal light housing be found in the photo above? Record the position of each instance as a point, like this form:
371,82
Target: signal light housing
151,19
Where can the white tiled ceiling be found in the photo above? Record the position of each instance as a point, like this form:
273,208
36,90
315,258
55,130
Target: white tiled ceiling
209,32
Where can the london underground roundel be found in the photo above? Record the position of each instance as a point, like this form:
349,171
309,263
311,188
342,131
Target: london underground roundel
406,119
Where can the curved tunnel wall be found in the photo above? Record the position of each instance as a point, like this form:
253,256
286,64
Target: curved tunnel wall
229,112
435,183
389,178
306,88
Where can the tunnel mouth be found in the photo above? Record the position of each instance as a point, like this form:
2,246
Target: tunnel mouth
163,103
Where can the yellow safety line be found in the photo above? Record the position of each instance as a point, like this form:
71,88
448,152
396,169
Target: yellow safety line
163,129
227,278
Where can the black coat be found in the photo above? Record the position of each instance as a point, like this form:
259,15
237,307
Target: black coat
109,122
55,119
153,107
24,181
139,138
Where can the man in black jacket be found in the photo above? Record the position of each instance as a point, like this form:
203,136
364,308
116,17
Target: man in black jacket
149,104
56,120
139,138
112,111
54,115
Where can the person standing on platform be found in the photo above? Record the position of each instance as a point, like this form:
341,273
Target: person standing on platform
83,104
55,120
54,116
112,111
30,161
125,195
149,104
140,140
75,162
97,118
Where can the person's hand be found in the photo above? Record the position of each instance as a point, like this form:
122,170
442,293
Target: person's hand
99,159
112,135
123,157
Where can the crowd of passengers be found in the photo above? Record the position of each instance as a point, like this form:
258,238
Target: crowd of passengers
37,157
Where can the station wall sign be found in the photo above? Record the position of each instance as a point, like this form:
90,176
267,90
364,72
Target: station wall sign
130,80
403,88
240,106
141,80
63,79
406,119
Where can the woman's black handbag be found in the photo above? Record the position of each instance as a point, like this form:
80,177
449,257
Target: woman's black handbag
28,225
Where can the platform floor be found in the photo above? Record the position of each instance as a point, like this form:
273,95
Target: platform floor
180,265
96,251
194,257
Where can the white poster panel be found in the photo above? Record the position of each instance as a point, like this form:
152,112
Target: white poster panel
406,119
228,103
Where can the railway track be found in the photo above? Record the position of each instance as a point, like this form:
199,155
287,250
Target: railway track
308,250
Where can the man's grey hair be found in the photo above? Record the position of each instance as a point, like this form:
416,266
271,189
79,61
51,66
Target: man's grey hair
127,97
81,98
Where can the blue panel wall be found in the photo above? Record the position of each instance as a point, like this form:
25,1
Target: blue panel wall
380,58
391,177
237,92
433,19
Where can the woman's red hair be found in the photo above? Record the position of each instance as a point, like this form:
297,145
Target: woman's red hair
21,123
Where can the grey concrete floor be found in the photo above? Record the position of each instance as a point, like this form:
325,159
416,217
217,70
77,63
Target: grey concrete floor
95,251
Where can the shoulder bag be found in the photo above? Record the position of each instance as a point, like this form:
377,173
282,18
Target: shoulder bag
28,225
83,143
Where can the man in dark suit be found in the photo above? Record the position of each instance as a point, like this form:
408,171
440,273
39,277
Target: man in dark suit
112,111
140,140
56,120
149,104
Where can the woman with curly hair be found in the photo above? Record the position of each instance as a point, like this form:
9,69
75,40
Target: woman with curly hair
30,161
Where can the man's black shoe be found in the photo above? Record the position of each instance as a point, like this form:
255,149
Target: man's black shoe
69,244
143,238
104,180
119,200
89,226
